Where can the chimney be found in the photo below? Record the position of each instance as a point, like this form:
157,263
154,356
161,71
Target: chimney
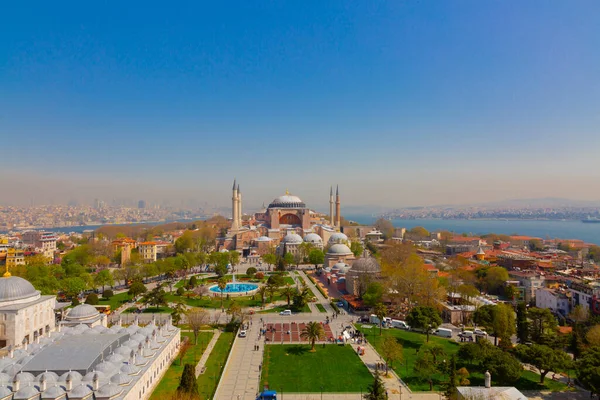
69,383
43,383
37,339
11,351
488,379
16,384
96,382
25,345
132,358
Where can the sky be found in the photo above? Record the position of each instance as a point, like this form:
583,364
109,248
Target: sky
399,102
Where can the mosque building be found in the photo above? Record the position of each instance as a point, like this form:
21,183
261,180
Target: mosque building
81,358
285,221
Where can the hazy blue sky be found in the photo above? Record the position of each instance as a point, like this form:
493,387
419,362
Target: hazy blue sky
400,102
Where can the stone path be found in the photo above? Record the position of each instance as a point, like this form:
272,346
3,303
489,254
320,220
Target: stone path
320,298
207,352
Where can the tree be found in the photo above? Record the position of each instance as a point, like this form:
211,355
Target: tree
424,318
301,298
380,311
288,259
391,350
385,227
188,380
425,367
196,319
522,323
104,278
136,289
536,245
269,259
494,278
316,257
271,291
593,335
178,311
92,299
484,316
108,293
312,332
156,297
453,379
184,242
276,280
222,284
234,258
72,287
588,370
504,367
579,314
357,248
544,358
262,292
234,310
503,324
288,292
419,233
542,325
373,294
376,390
193,282
435,349
250,272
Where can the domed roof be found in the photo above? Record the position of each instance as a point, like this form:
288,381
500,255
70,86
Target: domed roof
292,238
15,288
75,376
25,377
313,238
49,376
110,390
106,367
115,358
89,377
365,265
130,369
26,392
5,391
121,379
287,201
53,392
339,250
80,391
5,377
82,311
338,237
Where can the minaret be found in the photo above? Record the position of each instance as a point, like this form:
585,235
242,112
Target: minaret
234,209
239,206
331,205
337,207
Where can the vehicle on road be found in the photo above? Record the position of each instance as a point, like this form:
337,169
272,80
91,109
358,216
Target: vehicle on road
286,312
374,320
242,334
479,332
443,332
340,304
400,324
267,395
466,334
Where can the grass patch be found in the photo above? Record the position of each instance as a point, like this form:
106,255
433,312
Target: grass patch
115,301
293,368
412,341
320,307
169,382
208,381
215,302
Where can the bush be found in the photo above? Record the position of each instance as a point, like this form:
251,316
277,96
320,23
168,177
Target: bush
259,275
180,291
92,299
193,282
75,302
107,294
250,272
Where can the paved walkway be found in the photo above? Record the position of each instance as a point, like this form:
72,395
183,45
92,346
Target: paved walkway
354,396
320,298
207,352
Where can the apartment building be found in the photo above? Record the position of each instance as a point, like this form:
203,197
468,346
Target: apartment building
148,251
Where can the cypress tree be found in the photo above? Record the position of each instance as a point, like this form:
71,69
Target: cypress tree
376,390
188,380
450,386
522,323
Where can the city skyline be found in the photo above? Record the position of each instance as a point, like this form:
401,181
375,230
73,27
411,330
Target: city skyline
399,104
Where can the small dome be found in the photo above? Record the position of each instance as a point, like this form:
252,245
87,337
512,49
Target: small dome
101,329
109,391
49,376
365,265
82,312
5,392
12,369
313,238
25,377
338,237
89,377
80,391
5,378
15,288
53,392
106,367
287,201
115,358
130,369
292,238
26,392
138,337
121,379
339,250
263,239
75,376
132,344
123,350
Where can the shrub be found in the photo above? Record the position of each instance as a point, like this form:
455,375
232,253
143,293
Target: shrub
108,293
92,299
180,291
259,275
250,272
75,302
193,282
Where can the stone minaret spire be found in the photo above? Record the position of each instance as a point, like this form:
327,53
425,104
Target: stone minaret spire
234,209
239,206
331,205
337,207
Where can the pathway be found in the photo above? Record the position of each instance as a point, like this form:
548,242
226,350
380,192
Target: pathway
207,352
320,298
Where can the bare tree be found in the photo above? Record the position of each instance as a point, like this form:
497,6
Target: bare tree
196,318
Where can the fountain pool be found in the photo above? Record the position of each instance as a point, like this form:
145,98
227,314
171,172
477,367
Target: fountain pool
235,288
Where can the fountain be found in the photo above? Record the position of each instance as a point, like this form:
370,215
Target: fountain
234,287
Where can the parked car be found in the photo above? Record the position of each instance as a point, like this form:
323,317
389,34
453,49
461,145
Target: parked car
400,324
242,334
443,332
340,304
286,312
466,334
479,332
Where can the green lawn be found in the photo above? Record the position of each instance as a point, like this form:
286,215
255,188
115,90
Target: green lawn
278,309
116,300
150,310
293,368
215,302
412,341
320,307
168,384
208,381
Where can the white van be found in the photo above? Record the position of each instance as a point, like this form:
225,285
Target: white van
373,319
400,324
443,332
286,312
466,334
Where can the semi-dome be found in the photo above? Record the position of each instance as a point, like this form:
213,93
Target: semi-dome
339,250
15,288
292,238
313,238
365,265
338,237
82,312
287,201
